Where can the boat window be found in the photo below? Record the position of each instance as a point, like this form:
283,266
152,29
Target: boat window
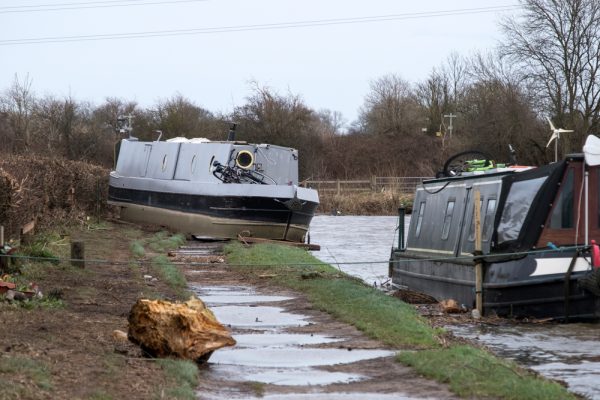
517,205
447,219
489,219
164,163
147,150
420,219
471,237
562,213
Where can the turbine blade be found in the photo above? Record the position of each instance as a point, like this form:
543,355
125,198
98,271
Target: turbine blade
551,124
553,137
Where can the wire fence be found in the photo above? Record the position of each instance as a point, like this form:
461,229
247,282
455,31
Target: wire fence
472,258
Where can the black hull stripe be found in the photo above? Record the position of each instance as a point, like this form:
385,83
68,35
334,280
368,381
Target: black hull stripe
263,209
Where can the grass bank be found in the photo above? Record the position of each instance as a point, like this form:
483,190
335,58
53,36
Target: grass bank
469,371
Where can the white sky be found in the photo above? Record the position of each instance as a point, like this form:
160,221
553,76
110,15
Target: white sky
329,66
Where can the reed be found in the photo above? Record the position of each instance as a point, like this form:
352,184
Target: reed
364,203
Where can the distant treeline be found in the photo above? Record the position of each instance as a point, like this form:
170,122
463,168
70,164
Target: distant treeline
546,66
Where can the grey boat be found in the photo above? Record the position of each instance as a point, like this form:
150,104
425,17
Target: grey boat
540,229
213,189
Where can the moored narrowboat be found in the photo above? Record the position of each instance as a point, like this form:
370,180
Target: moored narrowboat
538,232
213,189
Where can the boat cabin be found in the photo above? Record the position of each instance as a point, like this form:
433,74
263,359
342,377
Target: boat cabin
194,160
521,209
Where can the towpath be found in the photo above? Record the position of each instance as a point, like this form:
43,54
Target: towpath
288,350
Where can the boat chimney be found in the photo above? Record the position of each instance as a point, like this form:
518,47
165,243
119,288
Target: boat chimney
231,136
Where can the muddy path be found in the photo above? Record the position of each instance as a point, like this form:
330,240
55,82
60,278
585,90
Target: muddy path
288,350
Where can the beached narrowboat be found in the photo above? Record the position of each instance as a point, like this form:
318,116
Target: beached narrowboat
213,189
538,233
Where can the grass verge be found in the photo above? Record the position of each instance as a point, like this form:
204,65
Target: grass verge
35,371
475,373
160,265
468,371
182,377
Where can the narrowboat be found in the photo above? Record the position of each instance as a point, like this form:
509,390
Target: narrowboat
538,232
213,189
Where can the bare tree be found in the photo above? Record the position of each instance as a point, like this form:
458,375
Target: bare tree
178,116
18,102
556,44
390,108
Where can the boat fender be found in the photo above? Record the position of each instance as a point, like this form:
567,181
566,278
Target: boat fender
595,255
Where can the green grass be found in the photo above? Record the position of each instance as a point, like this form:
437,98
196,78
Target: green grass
468,371
161,242
43,303
182,377
170,274
100,395
137,249
37,371
379,316
475,373
257,387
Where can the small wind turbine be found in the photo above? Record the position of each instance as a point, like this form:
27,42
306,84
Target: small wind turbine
555,136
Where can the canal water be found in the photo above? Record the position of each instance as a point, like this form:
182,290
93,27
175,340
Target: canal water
360,246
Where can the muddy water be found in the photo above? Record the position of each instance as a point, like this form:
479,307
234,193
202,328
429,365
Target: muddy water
569,352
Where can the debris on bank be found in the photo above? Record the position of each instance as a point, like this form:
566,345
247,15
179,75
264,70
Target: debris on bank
185,330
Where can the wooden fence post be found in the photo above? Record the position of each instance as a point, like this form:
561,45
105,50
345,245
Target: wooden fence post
339,188
78,254
3,258
478,263
27,233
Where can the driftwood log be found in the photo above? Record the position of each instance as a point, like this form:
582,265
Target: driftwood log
185,330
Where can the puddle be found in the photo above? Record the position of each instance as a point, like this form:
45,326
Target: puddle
275,357
290,357
280,340
234,295
240,299
342,396
284,376
261,317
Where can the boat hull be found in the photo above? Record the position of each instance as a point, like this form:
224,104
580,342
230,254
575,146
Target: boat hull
219,217
517,288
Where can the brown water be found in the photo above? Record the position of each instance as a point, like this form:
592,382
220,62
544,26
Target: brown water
568,352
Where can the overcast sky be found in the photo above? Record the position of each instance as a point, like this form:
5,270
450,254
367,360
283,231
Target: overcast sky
329,65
